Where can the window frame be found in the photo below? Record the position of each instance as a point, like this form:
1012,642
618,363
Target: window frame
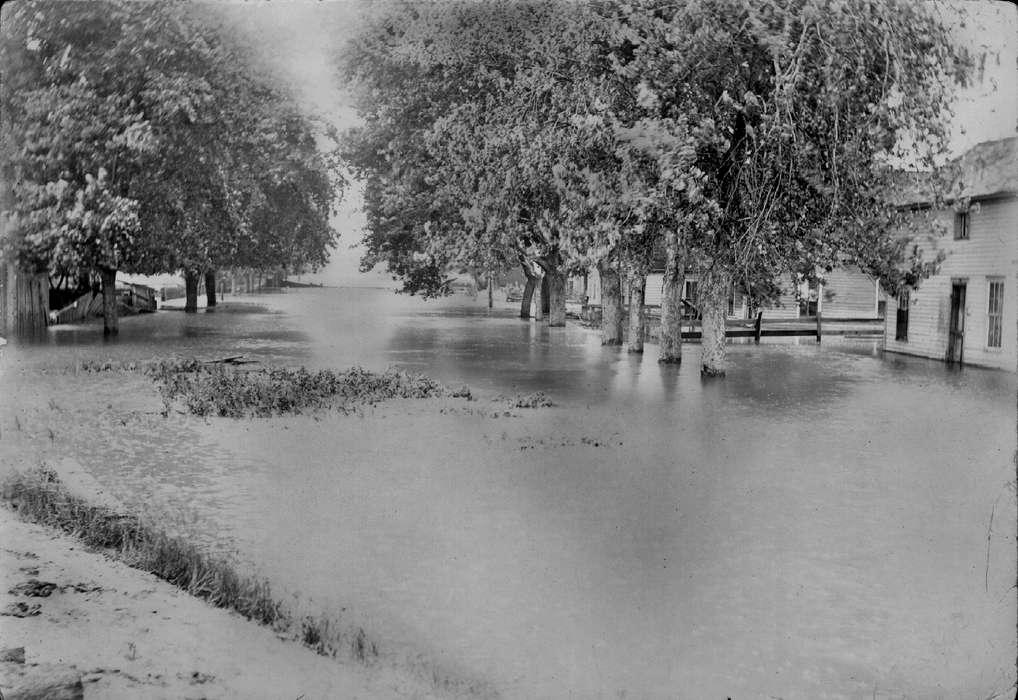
994,321
961,226
904,303
690,289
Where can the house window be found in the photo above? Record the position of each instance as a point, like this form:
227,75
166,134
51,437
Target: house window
994,314
901,323
731,300
689,293
961,226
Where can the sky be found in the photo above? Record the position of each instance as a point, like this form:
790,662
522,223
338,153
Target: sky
301,36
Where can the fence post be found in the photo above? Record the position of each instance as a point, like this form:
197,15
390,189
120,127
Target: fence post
819,331
759,323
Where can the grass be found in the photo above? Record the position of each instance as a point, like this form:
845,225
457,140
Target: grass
39,496
217,388
538,399
214,389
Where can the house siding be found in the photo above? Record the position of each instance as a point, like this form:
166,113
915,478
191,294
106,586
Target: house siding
787,304
654,290
848,294
988,254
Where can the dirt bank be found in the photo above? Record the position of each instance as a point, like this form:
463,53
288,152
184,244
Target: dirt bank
132,636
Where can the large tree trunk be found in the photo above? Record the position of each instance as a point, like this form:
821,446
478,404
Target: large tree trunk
715,286
671,301
191,291
556,285
540,297
611,305
713,305
111,324
528,294
210,288
637,317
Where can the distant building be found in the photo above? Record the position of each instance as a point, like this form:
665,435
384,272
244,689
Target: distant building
965,313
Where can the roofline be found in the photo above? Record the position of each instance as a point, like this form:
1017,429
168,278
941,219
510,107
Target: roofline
1002,194
926,204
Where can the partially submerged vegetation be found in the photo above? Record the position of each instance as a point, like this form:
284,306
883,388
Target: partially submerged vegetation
224,388
213,389
538,399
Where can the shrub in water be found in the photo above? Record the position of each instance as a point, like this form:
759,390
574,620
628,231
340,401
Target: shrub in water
217,390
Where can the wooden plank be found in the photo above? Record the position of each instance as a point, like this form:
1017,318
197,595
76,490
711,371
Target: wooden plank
751,333
827,320
788,332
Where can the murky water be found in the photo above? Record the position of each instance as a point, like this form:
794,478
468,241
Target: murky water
815,525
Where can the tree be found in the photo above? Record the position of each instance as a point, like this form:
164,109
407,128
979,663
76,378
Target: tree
241,180
156,110
68,144
797,110
753,140
467,113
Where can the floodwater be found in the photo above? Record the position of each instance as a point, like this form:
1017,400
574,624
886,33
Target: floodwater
826,522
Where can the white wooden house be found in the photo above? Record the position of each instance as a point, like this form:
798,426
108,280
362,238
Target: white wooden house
965,313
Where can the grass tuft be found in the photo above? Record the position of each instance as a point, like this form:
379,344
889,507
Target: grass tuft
536,400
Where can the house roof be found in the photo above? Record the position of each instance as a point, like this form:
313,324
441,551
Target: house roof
985,170
988,169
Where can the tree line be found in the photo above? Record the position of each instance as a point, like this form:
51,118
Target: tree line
149,138
752,141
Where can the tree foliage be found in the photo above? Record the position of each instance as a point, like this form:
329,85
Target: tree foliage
766,131
145,137
799,110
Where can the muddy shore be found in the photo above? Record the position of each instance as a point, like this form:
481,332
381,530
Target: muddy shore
131,636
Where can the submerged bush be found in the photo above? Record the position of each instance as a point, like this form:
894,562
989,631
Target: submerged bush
217,390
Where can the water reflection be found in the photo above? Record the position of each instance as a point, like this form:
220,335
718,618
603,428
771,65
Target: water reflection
814,524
